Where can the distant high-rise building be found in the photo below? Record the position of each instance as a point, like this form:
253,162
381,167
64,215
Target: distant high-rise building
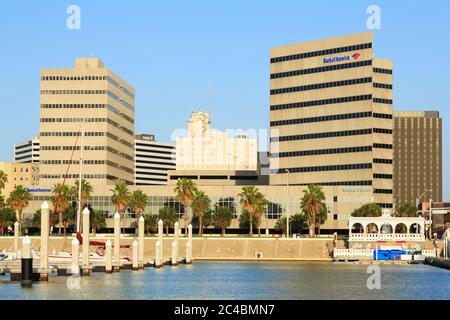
331,116
152,160
91,97
208,149
27,151
417,157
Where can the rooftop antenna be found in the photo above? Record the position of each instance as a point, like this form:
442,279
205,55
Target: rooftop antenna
209,100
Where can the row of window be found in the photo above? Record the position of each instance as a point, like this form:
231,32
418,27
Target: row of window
337,183
322,135
155,146
87,162
383,191
318,86
116,138
382,115
334,117
382,130
320,102
382,146
121,101
382,85
70,148
382,161
145,151
71,134
384,101
327,68
85,176
87,106
321,52
384,71
88,120
157,157
152,173
320,152
88,78
382,176
170,165
336,167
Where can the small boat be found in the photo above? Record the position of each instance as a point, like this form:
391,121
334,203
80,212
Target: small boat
3,256
93,257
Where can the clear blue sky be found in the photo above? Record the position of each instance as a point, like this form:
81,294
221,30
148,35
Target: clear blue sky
169,51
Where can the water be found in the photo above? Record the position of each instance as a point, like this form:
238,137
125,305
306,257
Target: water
246,280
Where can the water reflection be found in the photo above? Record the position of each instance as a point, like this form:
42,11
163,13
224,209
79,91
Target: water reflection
246,280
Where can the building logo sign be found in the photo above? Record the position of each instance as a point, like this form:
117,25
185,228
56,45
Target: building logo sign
342,58
31,190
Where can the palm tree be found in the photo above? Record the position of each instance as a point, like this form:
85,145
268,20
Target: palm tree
222,217
69,218
185,191
150,222
169,216
19,200
253,203
7,217
61,201
321,217
121,197
200,205
311,202
3,180
138,202
86,191
97,220
260,209
407,210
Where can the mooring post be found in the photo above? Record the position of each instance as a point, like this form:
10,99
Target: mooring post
117,242
135,258
16,236
188,253
141,231
176,236
157,255
75,269
160,239
108,257
45,230
27,263
435,244
174,254
86,225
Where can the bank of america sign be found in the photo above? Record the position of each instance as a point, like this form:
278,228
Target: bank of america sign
342,58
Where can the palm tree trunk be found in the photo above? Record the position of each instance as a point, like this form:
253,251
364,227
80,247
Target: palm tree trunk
200,222
18,216
185,219
251,224
59,222
223,231
65,229
167,230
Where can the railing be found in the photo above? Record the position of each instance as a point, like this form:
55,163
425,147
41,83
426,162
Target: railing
345,253
387,236
429,253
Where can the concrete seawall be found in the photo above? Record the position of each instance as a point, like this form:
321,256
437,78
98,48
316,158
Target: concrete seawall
213,248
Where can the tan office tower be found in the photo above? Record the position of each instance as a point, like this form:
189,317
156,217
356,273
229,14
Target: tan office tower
417,157
331,116
93,95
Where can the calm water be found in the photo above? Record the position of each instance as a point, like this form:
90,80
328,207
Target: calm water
246,280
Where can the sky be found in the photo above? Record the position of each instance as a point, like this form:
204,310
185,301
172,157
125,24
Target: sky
169,52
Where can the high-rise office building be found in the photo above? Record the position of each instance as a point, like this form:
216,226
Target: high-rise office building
91,99
331,116
417,157
27,151
152,160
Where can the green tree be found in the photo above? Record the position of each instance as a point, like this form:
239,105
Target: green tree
368,210
253,203
169,216
3,180
222,217
121,198
150,222
185,191
138,202
244,220
407,210
200,205
19,200
321,217
297,223
97,220
311,202
61,201
69,217
7,218
2,201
